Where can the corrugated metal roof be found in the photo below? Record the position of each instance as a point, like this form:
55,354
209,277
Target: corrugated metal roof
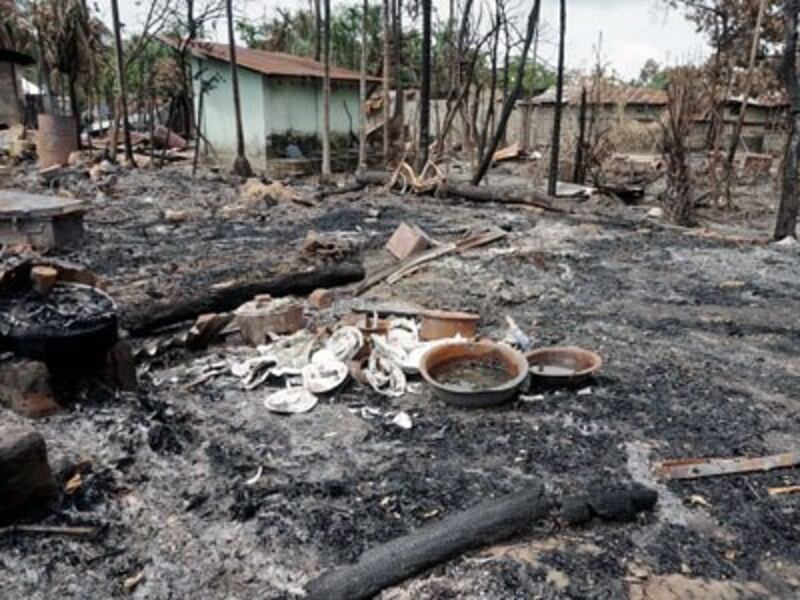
272,63
607,94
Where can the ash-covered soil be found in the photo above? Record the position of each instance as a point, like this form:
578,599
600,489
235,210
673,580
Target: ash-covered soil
701,341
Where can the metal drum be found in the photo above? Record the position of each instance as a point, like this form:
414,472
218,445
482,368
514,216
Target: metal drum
57,138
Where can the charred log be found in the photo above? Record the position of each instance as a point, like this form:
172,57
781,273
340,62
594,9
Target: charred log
146,318
475,193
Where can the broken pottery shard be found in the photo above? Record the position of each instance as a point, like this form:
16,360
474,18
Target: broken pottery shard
25,389
206,328
289,401
263,316
321,299
254,479
403,421
407,240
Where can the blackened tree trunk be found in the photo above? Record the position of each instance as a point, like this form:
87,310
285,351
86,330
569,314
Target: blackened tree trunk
123,88
425,88
398,62
488,121
317,31
362,137
386,62
241,166
74,102
579,175
186,69
555,148
790,203
511,101
326,95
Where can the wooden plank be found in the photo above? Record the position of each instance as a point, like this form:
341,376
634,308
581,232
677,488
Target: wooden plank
695,468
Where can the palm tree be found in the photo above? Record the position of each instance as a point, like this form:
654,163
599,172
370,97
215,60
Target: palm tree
241,166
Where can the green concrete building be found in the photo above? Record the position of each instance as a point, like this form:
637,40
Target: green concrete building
281,98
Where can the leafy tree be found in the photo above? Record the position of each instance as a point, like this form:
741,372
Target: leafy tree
294,32
653,76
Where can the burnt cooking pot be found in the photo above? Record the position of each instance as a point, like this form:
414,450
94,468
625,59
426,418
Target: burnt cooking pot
67,348
512,361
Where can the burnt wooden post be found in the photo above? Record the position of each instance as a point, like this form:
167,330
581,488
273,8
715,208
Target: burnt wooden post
555,148
579,175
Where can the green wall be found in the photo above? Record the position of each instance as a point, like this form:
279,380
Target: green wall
219,121
270,105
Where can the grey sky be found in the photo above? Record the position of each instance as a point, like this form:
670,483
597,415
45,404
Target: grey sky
633,30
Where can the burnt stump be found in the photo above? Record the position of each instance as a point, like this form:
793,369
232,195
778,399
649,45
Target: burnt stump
27,485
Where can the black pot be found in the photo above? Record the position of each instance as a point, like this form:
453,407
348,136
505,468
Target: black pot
77,349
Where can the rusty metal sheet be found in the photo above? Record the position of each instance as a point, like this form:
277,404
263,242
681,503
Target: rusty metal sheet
270,63
695,468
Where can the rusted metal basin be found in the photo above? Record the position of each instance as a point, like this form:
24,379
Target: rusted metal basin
466,355
563,366
56,139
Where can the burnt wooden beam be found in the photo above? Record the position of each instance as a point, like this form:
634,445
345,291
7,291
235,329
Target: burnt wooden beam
476,193
147,317
399,559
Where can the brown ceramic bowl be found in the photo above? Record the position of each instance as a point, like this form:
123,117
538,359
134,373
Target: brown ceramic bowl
563,366
441,324
512,361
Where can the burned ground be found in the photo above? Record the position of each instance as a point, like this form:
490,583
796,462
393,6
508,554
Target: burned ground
700,338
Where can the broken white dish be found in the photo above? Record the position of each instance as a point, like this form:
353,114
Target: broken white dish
325,373
289,401
345,343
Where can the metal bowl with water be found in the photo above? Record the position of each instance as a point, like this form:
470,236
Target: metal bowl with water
563,366
474,374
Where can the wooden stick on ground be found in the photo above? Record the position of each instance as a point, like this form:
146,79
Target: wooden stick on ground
784,491
694,468
394,273
49,530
